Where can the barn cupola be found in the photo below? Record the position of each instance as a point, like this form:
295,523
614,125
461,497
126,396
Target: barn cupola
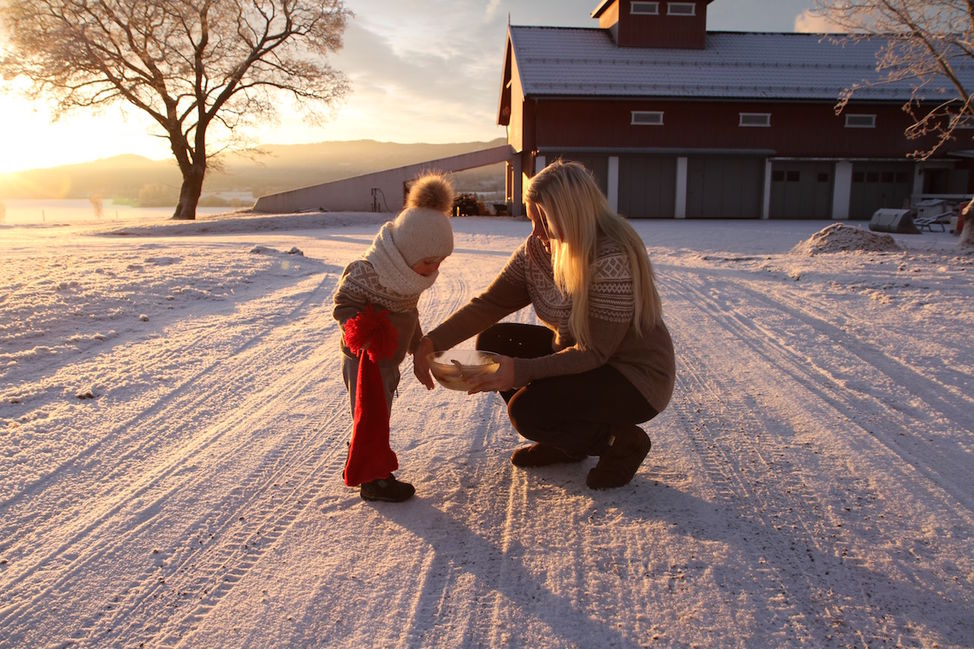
661,23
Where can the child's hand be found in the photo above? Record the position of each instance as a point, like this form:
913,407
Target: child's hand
421,367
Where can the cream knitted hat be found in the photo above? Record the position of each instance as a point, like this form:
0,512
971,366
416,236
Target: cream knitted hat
422,230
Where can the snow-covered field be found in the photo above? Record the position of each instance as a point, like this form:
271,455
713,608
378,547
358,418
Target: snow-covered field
173,428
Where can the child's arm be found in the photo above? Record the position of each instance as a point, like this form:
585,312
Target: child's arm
348,300
417,335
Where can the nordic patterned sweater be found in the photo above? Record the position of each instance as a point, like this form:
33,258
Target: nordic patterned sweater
359,287
645,361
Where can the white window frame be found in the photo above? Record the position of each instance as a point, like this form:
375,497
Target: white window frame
653,118
865,120
643,8
682,8
754,120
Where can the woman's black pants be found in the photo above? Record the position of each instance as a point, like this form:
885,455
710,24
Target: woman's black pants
575,412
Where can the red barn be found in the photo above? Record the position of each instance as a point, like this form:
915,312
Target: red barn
679,122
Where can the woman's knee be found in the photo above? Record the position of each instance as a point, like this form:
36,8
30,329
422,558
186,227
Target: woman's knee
530,417
490,339
515,339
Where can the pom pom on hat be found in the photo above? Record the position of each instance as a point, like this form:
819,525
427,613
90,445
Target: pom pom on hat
423,229
433,192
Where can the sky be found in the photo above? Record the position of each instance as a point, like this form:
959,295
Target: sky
420,72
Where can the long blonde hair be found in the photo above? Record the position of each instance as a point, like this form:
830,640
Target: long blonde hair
575,208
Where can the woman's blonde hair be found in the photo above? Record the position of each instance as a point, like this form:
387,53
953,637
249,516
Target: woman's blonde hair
577,211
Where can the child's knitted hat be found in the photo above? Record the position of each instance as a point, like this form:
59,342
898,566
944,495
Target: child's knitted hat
423,228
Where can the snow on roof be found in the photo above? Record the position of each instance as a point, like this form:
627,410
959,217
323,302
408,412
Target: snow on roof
739,65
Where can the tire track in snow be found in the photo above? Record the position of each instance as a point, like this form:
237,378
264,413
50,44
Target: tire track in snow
453,605
302,471
775,522
934,392
942,466
77,557
134,483
729,431
481,585
52,505
120,443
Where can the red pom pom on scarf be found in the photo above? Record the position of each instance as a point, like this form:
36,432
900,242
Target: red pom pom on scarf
372,331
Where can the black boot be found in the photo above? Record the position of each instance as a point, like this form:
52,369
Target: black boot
628,447
387,489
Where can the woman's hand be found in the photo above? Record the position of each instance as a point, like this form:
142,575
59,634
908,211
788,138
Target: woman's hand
499,381
421,366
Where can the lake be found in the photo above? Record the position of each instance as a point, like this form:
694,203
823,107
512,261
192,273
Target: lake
80,211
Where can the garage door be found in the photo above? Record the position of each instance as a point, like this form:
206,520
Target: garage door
801,190
647,187
879,184
724,187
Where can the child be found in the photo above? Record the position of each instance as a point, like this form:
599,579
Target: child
375,305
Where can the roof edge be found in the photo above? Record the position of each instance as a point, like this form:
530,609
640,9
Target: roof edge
598,10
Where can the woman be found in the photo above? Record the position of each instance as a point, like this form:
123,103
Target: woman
602,363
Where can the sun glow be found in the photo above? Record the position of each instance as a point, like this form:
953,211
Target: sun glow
30,136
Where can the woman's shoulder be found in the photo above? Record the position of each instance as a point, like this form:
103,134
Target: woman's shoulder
611,259
607,247
532,247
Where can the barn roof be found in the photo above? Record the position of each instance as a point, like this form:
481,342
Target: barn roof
572,61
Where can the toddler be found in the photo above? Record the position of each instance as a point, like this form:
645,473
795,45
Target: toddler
375,305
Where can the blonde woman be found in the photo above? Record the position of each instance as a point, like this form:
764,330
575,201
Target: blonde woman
602,363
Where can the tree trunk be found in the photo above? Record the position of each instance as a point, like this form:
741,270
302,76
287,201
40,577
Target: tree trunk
189,195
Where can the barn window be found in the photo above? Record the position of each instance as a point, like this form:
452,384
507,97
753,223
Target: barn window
755,119
793,176
644,8
823,177
681,9
963,121
647,118
860,121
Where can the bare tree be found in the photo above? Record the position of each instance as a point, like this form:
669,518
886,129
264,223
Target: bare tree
189,64
928,43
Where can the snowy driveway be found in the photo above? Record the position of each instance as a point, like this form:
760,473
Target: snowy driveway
174,424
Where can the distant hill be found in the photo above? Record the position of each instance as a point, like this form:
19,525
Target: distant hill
270,168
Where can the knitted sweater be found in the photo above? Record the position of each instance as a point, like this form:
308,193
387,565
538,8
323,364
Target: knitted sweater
359,287
646,361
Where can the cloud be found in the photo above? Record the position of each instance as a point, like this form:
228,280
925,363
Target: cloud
492,8
810,22
410,91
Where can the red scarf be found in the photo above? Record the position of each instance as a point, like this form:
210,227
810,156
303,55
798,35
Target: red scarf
372,337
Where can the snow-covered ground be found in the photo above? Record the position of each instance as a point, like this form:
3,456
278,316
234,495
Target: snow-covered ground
173,428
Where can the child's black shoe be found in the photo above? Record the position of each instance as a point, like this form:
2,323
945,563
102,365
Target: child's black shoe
388,490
